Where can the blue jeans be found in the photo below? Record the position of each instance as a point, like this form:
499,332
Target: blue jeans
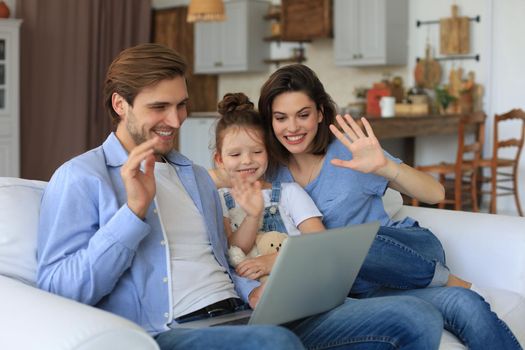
466,315
372,324
402,258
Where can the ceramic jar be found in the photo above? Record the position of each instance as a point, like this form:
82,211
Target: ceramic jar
4,10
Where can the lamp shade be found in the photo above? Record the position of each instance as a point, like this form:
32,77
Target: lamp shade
206,10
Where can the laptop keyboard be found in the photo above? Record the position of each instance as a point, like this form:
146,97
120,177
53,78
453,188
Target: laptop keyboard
237,322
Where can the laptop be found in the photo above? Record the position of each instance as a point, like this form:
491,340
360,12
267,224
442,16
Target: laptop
312,274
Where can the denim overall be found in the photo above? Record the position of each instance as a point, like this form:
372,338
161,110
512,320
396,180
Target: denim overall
272,220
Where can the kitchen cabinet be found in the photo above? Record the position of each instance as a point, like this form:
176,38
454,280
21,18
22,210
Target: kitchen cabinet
9,97
236,44
370,32
197,138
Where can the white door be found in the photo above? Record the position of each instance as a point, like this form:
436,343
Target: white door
9,98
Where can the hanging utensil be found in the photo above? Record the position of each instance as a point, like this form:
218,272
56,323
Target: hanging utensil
427,73
454,34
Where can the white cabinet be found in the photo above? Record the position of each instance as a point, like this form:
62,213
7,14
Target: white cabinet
197,139
9,97
236,44
370,32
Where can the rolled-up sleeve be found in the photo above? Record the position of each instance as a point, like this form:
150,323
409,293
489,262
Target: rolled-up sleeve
84,248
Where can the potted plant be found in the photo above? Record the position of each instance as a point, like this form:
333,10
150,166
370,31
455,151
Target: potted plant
443,98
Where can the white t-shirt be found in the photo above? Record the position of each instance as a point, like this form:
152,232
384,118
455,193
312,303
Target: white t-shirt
197,279
295,206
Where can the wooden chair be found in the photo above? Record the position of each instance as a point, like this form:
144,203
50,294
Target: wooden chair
497,161
462,174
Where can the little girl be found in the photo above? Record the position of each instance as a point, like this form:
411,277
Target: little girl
254,205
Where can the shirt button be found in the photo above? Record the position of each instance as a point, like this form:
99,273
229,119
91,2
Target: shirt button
155,210
163,242
273,209
166,315
165,280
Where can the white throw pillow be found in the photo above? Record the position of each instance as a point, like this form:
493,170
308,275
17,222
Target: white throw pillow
392,201
19,211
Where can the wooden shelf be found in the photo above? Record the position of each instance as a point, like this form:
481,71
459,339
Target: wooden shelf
273,38
281,39
278,61
276,16
316,13
277,37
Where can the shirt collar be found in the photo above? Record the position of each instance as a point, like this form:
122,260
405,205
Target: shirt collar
116,155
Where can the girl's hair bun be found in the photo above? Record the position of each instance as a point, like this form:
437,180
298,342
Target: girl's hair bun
237,111
232,102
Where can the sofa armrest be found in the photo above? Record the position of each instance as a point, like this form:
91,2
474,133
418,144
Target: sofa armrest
486,249
34,319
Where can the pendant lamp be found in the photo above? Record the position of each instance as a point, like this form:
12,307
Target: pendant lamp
206,10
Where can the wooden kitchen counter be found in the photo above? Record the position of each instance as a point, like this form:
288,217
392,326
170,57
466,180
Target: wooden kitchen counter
411,126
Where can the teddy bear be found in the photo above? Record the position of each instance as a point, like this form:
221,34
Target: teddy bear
265,243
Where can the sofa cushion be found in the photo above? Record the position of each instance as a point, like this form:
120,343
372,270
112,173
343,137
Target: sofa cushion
510,307
392,201
57,323
19,211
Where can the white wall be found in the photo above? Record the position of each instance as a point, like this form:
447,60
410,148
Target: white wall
12,7
507,75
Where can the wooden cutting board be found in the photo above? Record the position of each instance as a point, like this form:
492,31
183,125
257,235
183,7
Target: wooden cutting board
454,34
427,73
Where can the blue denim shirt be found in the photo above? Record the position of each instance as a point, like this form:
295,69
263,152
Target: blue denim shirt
92,248
345,196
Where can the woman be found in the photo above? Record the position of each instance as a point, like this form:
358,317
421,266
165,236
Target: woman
346,173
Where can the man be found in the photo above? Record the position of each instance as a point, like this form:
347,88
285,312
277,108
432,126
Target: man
135,228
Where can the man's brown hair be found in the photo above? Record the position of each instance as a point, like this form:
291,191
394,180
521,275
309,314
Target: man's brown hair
138,67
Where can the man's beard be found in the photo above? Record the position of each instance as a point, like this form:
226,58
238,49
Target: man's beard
140,136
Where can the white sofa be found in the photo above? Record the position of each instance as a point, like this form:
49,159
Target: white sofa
33,319
486,249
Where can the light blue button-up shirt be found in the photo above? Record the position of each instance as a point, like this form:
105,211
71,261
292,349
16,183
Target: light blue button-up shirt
92,248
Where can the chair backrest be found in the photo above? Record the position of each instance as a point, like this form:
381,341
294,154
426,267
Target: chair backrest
468,157
470,150
498,144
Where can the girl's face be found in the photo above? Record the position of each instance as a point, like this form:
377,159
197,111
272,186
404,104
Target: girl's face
295,120
243,153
